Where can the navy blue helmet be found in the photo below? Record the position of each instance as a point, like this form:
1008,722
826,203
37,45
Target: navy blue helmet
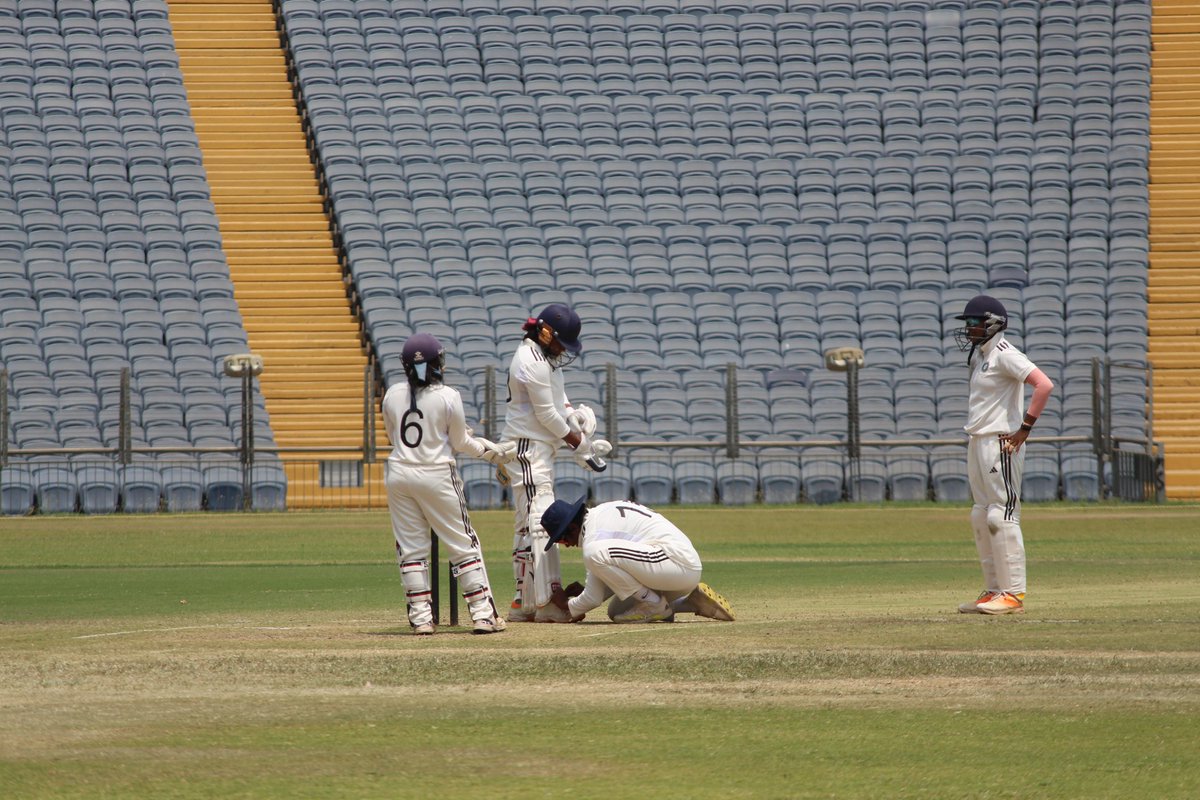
983,318
557,323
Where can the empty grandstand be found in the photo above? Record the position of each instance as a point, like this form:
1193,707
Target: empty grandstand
747,183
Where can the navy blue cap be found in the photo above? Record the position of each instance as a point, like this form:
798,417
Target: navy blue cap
558,518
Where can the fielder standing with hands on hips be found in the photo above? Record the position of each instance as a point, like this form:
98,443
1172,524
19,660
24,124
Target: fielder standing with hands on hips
995,459
538,419
426,425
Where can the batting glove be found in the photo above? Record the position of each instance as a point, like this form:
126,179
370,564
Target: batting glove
591,452
582,420
497,453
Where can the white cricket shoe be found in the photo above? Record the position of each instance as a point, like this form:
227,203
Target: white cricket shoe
518,613
642,611
704,602
551,613
424,629
972,606
489,625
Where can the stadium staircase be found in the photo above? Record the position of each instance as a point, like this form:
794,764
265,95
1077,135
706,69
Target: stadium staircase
276,235
1174,281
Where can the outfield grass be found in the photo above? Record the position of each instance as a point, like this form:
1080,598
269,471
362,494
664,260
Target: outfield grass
233,656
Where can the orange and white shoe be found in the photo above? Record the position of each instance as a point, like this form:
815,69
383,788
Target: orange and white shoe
972,606
518,613
1002,603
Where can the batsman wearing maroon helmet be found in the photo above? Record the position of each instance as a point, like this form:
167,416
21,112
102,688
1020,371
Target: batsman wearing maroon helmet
426,426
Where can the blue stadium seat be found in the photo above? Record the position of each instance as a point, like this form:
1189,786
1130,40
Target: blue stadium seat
98,486
57,489
268,485
571,481
1080,480
17,490
615,483
737,483
907,474
1040,479
653,479
948,474
141,488
222,480
780,481
695,481
480,486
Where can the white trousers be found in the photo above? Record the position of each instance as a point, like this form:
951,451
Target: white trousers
421,498
995,478
627,567
532,476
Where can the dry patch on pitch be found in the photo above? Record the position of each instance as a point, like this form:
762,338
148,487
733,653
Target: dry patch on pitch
67,697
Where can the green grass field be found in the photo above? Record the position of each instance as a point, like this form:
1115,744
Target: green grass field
268,657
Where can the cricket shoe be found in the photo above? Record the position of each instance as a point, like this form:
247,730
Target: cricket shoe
1002,603
551,613
489,625
518,612
643,611
972,606
424,629
704,602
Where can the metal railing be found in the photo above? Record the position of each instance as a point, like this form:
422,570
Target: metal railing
1126,467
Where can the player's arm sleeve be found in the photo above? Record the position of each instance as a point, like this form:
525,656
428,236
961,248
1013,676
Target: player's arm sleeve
1016,365
460,434
536,378
593,594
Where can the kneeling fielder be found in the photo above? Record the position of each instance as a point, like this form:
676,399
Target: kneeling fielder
636,554
425,421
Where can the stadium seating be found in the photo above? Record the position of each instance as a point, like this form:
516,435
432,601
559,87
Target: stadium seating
480,486
182,487
748,187
615,483
737,483
623,154
780,481
16,490
109,247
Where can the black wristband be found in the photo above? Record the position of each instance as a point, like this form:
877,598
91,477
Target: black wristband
1025,426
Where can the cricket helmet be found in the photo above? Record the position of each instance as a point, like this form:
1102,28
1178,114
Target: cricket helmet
424,359
557,323
983,318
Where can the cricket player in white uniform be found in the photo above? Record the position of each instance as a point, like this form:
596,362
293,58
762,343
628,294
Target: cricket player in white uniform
426,425
538,419
995,460
634,555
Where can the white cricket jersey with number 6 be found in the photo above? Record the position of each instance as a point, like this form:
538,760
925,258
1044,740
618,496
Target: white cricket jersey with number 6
424,491
431,433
